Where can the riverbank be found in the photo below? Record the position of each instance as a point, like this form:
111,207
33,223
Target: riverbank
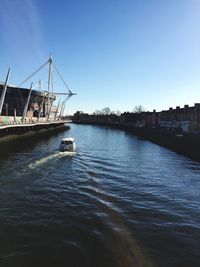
26,134
19,142
187,144
26,128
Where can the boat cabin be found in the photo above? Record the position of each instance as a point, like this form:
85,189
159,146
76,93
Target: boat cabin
67,144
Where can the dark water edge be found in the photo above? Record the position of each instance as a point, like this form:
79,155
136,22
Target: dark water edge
13,143
20,130
119,201
187,144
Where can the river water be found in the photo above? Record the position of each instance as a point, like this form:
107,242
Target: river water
119,201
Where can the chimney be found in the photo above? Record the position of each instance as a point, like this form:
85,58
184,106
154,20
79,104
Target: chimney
197,106
170,109
186,106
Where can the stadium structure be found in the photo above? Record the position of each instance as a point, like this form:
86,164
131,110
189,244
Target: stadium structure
28,103
23,109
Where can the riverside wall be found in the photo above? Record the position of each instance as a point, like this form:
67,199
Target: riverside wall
187,144
10,130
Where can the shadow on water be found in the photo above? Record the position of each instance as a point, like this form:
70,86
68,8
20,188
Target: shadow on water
17,143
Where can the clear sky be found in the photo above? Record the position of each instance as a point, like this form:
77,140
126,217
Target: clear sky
112,53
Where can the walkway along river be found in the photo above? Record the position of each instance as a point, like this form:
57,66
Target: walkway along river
119,201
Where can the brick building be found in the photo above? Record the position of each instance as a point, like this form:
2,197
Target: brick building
187,118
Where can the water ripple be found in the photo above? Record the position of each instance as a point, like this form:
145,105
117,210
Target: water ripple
119,201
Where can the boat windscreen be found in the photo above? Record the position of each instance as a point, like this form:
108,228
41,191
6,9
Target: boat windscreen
66,142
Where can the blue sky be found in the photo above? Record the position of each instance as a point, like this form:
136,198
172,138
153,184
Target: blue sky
112,53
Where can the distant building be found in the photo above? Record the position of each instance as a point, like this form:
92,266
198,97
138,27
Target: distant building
80,115
100,118
187,119
140,119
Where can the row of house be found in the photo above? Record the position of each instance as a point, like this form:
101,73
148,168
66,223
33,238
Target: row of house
186,119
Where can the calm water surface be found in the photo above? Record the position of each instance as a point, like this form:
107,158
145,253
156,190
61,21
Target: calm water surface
119,201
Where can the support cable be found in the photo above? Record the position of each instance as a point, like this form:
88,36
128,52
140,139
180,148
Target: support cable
59,74
34,73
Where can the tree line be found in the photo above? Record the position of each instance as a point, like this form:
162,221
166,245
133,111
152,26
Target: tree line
108,111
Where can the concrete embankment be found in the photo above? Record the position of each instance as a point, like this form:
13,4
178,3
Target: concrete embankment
15,143
187,144
16,130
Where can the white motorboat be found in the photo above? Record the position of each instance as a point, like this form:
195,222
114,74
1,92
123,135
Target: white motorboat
67,144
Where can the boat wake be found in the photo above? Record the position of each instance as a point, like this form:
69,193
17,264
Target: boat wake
44,160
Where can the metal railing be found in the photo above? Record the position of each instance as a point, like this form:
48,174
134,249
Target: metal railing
28,122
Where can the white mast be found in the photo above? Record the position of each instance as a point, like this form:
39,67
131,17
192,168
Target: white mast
57,110
4,91
49,85
27,103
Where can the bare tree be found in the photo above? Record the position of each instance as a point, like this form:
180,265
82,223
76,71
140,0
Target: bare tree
106,111
118,112
97,112
138,109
